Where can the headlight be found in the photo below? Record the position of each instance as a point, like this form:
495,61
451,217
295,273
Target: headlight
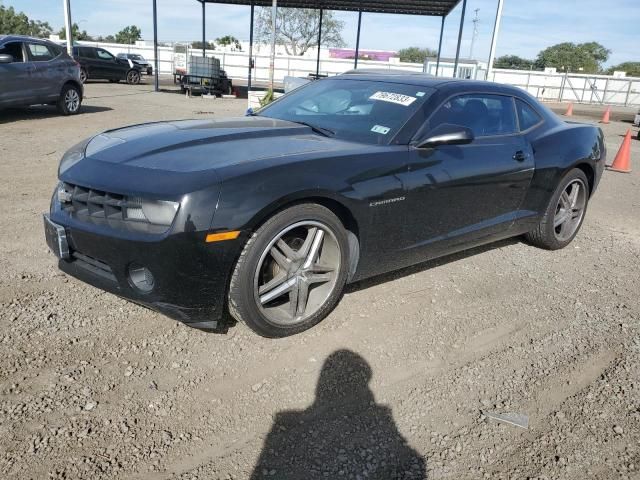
158,212
73,156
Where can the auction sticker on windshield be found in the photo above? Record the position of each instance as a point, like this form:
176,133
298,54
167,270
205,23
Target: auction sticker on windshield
398,98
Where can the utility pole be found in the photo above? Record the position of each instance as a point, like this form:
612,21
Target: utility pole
475,33
67,25
494,39
272,62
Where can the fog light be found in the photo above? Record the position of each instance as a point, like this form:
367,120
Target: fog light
141,278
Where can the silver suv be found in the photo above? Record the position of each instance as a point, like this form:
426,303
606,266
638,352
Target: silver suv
35,71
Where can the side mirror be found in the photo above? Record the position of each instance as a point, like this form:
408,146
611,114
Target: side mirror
6,58
447,134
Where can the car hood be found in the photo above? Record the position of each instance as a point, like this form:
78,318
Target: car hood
186,155
199,145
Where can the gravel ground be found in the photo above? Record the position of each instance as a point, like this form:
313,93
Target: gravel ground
394,384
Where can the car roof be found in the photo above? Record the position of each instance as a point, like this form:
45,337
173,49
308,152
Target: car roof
452,85
22,38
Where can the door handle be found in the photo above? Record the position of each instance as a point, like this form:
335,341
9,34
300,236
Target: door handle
520,156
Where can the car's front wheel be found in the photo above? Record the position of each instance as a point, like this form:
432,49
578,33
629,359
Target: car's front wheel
564,214
291,272
70,100
83,75
133,77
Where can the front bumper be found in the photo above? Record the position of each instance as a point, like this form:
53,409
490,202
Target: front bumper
190,276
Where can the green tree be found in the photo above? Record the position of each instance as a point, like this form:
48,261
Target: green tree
198,46
107,39
128,35
575,58
297,29
513,62
17,23
229,40
76,34
416,54
631,68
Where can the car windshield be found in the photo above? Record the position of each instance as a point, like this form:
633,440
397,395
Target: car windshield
360,110
136,57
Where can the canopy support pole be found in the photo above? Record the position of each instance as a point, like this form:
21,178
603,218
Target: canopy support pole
355,66
156,60
204,54
455,67
68,26
440,45
494,38
272,60
319,43
250,48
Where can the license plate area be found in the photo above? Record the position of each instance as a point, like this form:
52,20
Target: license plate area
56,237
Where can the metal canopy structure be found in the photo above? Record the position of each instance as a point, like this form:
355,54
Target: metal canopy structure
440,8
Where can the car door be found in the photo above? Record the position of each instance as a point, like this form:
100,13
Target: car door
16,77
464,194
47,72
110,67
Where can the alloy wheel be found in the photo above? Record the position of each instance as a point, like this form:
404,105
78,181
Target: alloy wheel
297,273
570,210
133,77
83,75
72,100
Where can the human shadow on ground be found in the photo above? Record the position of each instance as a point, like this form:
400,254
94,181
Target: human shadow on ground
344,434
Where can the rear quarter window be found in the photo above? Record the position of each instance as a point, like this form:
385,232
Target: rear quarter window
527,115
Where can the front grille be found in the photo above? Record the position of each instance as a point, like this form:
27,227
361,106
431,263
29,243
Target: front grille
94,203
105,208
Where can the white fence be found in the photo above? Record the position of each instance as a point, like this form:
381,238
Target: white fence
579,88
545,86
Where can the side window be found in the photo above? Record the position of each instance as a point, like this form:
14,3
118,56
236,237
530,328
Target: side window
14,49
484,114
86,52
40,53
527,116
104,55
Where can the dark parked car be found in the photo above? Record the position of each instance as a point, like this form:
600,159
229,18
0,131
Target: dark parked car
34,71
139,61
345,178
99,64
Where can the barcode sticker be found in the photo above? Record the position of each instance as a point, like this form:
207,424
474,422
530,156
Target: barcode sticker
380,129
397,98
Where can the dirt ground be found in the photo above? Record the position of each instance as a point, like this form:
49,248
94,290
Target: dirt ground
402,373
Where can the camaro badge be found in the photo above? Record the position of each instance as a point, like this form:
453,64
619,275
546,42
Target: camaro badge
386,202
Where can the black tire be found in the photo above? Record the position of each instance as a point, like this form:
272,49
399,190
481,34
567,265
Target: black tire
84,76
242,302
133,77
70,100
544,235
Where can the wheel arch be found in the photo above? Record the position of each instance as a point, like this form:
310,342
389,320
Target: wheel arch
325,199
75,84
590,173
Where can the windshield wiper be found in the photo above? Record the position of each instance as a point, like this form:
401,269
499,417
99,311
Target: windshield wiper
327,132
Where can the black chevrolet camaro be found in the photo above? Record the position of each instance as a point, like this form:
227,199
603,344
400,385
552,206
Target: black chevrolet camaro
268,216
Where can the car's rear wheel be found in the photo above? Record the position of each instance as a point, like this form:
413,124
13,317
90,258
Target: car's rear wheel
291,272
564,214
133,77
83,75
70,100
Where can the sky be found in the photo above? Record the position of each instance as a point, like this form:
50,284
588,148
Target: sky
527,26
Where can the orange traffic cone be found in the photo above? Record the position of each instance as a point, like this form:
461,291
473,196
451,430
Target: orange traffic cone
569,111
622,162
606,116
